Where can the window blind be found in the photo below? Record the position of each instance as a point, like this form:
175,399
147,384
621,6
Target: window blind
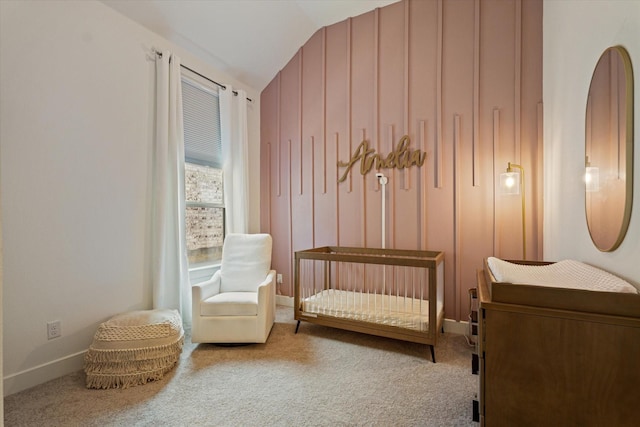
201,115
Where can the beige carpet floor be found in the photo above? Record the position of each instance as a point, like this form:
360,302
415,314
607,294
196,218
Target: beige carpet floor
318,377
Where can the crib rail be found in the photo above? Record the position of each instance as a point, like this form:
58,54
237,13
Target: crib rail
388,292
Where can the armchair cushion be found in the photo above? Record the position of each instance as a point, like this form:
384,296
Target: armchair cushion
246,260
230,304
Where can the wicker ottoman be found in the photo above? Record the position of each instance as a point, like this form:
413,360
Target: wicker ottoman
134,348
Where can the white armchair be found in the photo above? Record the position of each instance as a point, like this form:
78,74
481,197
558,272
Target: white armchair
238,303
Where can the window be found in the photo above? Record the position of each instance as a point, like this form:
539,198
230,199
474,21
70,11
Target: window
204,216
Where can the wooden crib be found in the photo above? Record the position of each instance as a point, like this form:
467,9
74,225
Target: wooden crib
386,292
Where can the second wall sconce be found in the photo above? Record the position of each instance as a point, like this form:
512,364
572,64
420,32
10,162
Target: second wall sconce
591,177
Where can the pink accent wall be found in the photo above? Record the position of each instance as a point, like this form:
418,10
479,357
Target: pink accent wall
462,78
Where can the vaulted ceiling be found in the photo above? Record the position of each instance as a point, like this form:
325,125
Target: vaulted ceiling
250,40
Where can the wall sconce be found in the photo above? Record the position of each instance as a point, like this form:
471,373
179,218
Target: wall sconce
591,177
512,183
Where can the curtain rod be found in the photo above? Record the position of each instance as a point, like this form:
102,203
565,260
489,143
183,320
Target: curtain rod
205,77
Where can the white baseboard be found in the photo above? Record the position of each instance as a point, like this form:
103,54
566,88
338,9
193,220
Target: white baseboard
450,326
284,300
42,373
455,327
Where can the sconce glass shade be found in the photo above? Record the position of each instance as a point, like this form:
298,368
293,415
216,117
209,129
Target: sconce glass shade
510,183
592,179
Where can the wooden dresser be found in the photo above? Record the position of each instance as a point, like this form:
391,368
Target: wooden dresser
557,357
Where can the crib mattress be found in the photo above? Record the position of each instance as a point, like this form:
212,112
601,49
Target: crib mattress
391,310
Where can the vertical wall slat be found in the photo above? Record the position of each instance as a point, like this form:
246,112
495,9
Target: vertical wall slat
324,166
422,145
268,186
324,101
290,205
349,90
279,172
279,134
406,173
291,246
438,142
406,67
300,137
376,79
337,185
301,168
376,93
363,202
269,182
517,103
476,96
313,192
350,177
391,199
457,238
496,172
539,201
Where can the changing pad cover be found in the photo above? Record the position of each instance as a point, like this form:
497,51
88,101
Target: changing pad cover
563,274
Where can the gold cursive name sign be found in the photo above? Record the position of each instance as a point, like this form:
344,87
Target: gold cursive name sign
402,157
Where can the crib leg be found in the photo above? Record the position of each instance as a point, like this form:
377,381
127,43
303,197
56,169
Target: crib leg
297,326
433,354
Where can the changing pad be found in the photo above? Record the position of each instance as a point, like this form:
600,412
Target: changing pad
563,274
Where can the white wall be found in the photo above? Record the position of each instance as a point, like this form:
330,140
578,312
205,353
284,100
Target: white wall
77,114
1,326
576,32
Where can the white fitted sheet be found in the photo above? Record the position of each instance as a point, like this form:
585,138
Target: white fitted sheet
399,311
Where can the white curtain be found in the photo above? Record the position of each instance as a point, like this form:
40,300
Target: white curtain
235,158
170,272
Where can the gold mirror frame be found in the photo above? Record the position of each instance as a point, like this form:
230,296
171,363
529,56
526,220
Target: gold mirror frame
609,153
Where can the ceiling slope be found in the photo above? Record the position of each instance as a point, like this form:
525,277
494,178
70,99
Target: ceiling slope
250,40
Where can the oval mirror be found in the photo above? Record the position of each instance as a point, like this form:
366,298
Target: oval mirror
609,149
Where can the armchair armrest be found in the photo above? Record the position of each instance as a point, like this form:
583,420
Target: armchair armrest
270,279
204,290
267,298
267,289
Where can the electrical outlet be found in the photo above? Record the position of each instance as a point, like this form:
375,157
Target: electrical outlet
279,278
54,329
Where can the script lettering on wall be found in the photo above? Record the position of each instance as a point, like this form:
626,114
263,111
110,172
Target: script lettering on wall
400,158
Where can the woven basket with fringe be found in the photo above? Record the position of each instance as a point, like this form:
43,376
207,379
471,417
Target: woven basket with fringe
134,348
